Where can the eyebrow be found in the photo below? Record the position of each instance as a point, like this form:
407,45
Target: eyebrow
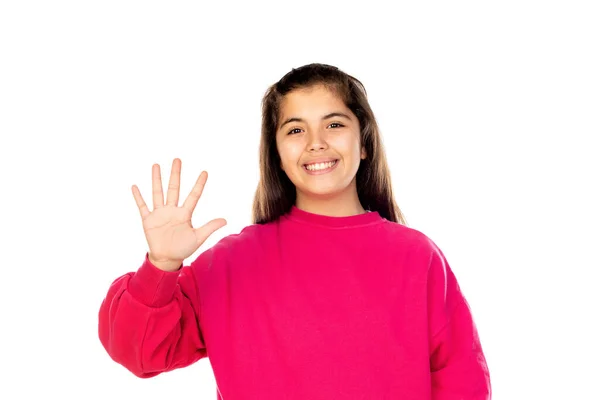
330,115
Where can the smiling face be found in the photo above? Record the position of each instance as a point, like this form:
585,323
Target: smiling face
318,140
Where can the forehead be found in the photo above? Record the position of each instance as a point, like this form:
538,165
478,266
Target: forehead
317,99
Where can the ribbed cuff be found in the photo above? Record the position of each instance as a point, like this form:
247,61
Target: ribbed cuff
153,286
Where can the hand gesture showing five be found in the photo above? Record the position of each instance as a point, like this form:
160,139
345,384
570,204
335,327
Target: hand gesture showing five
168,227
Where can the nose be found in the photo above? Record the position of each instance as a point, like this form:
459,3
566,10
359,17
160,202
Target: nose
316,140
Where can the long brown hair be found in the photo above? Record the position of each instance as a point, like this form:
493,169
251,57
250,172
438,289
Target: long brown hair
276,194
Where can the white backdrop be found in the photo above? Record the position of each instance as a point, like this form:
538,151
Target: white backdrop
487,111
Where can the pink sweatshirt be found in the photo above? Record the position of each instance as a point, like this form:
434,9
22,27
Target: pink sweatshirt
307,307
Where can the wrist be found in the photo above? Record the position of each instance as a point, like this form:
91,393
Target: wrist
165,265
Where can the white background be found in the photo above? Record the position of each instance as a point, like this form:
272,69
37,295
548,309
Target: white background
488,113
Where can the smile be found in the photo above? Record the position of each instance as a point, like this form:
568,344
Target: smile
320,168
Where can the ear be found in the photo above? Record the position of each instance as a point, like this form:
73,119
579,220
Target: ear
363,153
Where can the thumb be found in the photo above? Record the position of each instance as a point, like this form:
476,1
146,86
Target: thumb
208,229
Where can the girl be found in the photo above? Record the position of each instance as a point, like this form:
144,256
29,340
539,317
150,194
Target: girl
327,295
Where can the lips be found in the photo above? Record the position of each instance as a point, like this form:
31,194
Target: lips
320,168
319,161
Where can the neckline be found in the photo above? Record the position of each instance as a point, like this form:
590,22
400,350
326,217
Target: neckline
325,221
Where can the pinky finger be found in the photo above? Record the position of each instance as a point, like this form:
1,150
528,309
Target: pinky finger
143,208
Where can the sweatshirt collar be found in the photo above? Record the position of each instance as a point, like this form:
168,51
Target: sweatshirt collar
368,218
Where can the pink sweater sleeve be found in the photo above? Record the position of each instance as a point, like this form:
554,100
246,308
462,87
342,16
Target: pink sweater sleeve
149,320
458,366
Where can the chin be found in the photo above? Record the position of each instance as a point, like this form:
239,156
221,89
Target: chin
321,191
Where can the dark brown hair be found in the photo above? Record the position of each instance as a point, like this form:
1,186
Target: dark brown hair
276,194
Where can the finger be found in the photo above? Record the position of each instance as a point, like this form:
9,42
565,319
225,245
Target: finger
143,208
173,189
208,229
192,200
157,192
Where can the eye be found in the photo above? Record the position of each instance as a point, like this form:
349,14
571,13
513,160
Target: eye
294,131
336,123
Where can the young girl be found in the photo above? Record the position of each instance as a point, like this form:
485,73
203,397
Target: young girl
327,295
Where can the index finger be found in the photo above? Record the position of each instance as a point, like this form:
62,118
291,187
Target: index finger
192,200
140,202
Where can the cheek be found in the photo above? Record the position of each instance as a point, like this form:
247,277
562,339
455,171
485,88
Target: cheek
290,152
347,146
286,154
281,155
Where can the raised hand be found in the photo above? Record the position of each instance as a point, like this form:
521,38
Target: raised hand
168,228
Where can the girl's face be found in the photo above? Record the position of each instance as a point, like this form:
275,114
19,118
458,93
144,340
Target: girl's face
318,140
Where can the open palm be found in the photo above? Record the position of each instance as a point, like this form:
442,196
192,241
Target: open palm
168,228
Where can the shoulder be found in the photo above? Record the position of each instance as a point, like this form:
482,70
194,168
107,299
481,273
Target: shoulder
248,240
422,251
412,239
250,235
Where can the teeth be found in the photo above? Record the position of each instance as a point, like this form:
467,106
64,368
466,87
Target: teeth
320,166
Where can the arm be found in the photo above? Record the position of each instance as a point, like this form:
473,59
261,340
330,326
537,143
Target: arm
458,366
149,320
